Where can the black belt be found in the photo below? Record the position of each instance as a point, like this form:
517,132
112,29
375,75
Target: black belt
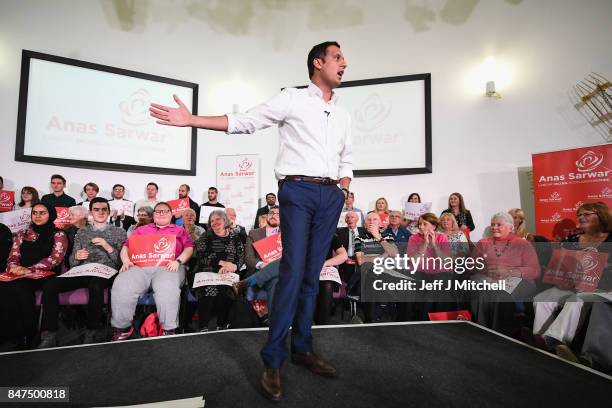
318,180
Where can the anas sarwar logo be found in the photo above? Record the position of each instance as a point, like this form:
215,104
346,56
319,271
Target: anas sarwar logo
161,246
606,191
555,196
587,262
589,161
25,218
135,108
245,164
556,217
63,214
183,205
5,199
372,113
578,204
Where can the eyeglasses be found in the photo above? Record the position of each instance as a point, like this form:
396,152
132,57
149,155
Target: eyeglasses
40,212
273,214
585,214
162,212
96,209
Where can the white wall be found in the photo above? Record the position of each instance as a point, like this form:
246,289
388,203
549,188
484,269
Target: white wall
243,51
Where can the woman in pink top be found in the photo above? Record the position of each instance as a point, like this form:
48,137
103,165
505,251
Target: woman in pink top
507,258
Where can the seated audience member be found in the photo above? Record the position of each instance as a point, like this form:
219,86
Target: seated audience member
382,209
518,216
456,206
373,244
189,223
349,202
166,281
458,242
270,202
118,217
238,229
346,236
29,197
78,219
262,275
90,190
337,255
144,216
505,256
151,200
58,198
219,250
98,243
39,248
431,248
558,310
413,225
400,235
183,192
6,241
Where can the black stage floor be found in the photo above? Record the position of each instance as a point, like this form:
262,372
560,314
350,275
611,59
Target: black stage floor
452,364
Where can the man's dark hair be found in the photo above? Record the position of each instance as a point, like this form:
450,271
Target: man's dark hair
59,176
91,184
318,51
186,186
153,184
99,200
270,194
119,185
213,188
1,180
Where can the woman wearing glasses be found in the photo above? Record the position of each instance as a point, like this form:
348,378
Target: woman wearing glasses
593,234
40,248
166,281
98,243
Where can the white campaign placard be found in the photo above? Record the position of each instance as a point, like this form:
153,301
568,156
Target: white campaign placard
413,211
17,220
329,273
238,184
214,279
342,220
90,269
205,211
123,207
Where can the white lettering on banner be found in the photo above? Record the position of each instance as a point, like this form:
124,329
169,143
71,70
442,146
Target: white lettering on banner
238,181
90,269
17,220
329,273
214,279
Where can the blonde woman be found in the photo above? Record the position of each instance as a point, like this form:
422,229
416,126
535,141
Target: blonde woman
518,217
457,239
382,209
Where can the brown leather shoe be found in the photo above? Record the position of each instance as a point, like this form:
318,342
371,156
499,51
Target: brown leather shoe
270,384
312,362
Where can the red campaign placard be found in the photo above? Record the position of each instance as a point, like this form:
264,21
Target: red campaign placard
564,180
451,315
7,200
151,249
270,248
7,277
384,220
178,206
63,217
580,270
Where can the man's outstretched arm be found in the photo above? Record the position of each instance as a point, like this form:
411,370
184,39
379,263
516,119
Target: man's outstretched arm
181,116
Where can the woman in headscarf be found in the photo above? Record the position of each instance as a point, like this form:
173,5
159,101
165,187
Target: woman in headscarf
38,250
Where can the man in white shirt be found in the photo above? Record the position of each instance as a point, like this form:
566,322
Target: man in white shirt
315,155
121,208
151,201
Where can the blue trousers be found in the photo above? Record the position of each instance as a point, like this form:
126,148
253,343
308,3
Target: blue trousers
309,216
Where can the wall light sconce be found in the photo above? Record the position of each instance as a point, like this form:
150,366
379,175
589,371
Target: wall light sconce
491,93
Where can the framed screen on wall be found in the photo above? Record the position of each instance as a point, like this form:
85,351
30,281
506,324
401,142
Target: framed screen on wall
391,124
80,114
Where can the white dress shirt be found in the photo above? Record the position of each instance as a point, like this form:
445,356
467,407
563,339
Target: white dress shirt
314,135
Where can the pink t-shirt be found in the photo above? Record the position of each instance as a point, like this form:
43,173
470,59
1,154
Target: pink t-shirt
183,240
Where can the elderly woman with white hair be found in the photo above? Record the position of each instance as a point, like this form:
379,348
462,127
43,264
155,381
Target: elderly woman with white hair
507,260
219,250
